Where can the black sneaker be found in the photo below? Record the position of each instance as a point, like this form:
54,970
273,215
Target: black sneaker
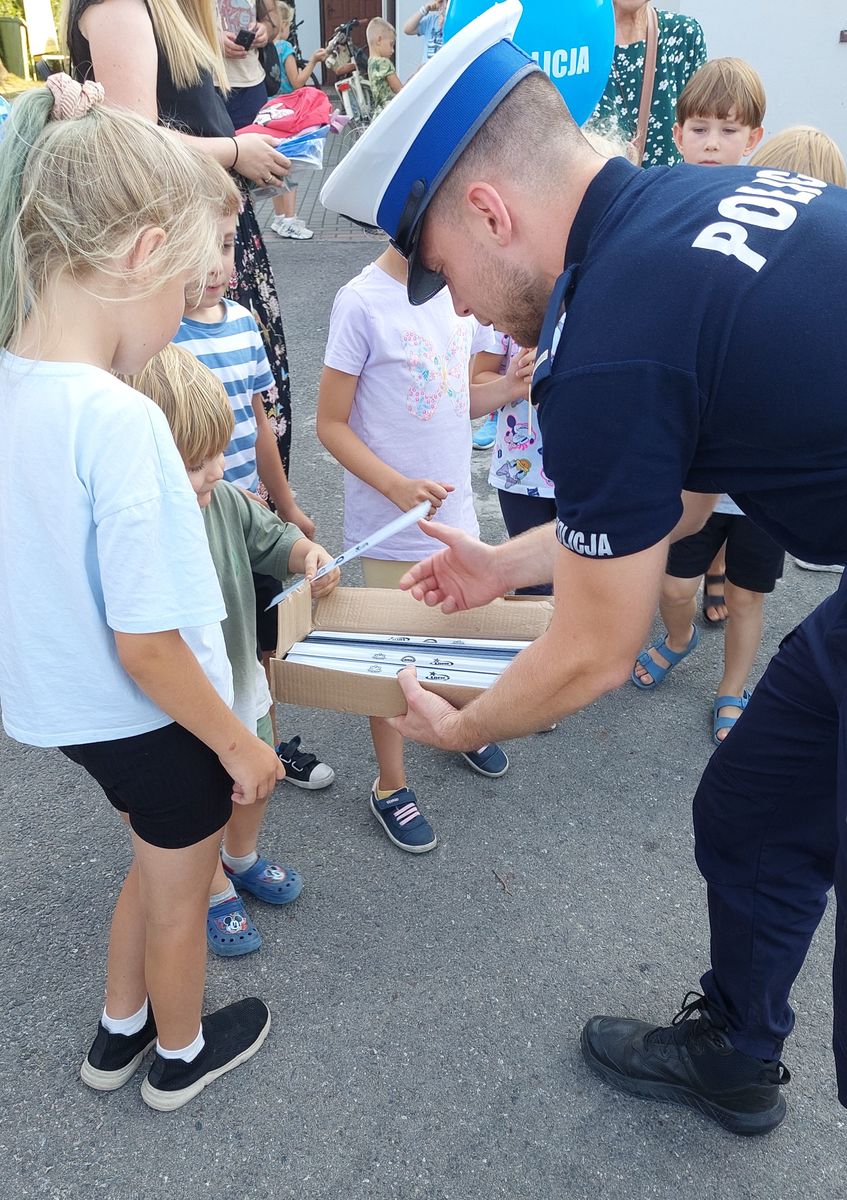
302,769
690,1062
115,1057
232,1034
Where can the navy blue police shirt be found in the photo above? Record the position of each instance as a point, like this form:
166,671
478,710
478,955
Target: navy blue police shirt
705,348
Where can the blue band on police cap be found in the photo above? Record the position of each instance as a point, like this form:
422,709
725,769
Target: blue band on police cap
450,126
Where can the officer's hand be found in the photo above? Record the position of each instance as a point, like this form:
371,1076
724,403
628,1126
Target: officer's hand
465,575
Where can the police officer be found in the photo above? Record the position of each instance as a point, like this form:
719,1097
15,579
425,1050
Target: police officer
690,328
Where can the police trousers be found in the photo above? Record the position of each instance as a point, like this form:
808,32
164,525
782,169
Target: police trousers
770,821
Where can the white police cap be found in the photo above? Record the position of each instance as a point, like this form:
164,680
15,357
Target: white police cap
394,170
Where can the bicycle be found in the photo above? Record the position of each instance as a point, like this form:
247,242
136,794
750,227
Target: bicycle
354,89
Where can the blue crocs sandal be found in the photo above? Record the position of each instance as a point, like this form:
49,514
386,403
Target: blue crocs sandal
229,930
656,669
268,881
719,723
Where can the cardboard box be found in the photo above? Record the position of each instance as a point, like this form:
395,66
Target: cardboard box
379,610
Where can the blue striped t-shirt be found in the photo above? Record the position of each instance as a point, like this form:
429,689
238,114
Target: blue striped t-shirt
233,349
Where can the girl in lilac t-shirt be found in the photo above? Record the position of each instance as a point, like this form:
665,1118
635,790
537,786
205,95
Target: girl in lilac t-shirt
394,409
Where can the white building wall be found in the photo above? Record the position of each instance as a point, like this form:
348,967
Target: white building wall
409,53
309,12
795,48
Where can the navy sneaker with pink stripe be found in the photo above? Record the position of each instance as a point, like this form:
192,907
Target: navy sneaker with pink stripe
404,823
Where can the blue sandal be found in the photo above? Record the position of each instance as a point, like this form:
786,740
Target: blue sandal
656,669
268,881
719,723
229,930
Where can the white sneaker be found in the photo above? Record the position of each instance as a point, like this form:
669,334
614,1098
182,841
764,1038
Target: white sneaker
291,227
837,568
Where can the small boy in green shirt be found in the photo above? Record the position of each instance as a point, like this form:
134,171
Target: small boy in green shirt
244,536
382,74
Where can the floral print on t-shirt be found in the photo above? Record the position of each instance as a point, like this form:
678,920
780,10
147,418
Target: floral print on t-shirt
681,51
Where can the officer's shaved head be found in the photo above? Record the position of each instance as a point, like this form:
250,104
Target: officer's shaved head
529,137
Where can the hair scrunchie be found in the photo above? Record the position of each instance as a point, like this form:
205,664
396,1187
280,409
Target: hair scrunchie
72,99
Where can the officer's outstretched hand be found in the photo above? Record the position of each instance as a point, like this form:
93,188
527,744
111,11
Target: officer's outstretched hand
465,575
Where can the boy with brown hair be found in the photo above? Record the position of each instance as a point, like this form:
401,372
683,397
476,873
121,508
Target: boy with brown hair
719,114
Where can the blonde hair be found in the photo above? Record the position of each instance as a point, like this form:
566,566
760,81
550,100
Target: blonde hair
187,34
804,149
723,87
76,194
378,27
192,398
286,12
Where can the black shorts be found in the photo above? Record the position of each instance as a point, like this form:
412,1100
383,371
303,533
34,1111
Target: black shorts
266,622
753,559
169,783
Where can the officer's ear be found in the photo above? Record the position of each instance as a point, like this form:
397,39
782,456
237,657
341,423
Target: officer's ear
488,213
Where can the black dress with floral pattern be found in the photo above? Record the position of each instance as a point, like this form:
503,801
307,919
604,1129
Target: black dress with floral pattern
253,286
682,49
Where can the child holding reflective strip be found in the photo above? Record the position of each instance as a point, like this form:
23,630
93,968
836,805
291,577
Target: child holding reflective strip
393,408
243,537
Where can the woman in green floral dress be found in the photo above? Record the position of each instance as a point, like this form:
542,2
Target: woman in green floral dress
682,49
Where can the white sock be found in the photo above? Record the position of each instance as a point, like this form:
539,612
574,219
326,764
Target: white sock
239,865
228,893
125,1025
189,1053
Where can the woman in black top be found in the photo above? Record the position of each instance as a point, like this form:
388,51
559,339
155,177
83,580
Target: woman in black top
164,61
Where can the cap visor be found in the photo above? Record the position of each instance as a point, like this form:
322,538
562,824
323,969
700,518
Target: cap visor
421,283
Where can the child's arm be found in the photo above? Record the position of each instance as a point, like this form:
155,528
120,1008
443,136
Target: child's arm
278,548
335,402
393,81
411,26
272,473
165,669
299,79
490,390
307,558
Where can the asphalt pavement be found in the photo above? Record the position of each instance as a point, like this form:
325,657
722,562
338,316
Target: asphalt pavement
426,1009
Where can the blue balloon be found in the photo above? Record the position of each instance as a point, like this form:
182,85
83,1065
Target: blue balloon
573,41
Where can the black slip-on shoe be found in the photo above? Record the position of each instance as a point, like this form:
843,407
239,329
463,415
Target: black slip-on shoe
690,1062
232,1035
115,1057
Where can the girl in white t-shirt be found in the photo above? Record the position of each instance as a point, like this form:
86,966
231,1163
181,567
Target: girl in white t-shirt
110,605
394,408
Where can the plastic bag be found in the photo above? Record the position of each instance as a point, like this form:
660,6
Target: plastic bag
305,150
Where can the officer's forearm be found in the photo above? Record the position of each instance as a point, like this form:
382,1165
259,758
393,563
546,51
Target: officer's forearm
530,558
546,682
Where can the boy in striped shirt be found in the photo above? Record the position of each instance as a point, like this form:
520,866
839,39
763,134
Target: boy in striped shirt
224,336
